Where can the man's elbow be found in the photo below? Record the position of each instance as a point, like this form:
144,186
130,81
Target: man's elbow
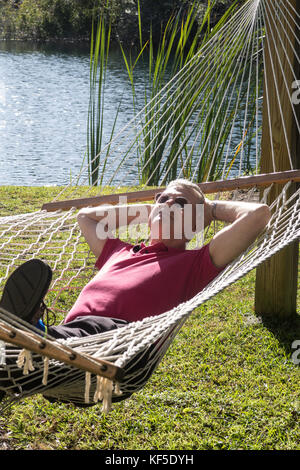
82,212
81,217
263,215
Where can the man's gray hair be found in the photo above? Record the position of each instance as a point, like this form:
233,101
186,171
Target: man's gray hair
184,183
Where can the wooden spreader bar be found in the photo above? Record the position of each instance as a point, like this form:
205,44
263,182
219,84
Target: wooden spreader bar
211,187
35,343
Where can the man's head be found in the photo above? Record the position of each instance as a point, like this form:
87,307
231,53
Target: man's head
192,188
175,217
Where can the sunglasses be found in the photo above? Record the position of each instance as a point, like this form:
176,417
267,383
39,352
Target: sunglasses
162,198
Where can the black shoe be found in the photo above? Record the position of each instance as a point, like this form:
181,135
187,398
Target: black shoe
25,290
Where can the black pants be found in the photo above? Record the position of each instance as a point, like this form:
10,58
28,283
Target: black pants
80,327
85,326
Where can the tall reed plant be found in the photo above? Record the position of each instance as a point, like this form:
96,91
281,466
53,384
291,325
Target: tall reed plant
186,126
99,54
172,119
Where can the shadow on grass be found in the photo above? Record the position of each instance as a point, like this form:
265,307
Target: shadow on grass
285,330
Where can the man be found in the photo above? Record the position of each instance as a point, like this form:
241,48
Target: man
134,282
137,281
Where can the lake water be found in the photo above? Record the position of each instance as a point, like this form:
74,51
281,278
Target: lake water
44,98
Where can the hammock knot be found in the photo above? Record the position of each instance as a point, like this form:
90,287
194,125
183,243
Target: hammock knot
87,387
46,370
25,360
117,390
104,392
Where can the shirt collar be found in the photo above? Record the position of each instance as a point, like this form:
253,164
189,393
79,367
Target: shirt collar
155,248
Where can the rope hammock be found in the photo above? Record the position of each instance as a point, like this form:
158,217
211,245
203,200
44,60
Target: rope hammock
223,81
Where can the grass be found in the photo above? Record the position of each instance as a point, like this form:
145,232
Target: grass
227,382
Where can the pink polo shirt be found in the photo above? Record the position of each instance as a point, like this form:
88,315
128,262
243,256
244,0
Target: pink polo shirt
133,285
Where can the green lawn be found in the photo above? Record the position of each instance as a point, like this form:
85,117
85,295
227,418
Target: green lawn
227,382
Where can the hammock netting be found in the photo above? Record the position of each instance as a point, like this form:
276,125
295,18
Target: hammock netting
216,135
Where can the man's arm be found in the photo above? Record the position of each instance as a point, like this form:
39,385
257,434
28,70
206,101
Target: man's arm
96,223
247,221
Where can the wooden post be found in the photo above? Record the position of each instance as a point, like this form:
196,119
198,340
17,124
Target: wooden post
276,279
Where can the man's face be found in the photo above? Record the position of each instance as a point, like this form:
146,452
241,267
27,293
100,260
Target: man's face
175,216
